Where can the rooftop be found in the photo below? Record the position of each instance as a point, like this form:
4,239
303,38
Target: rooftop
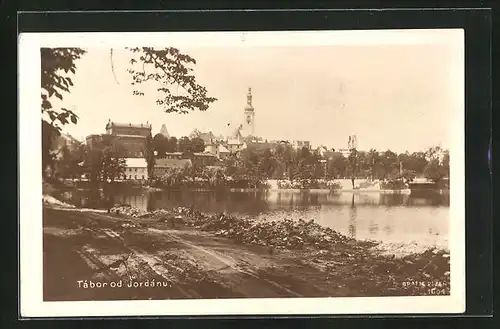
260,146
205,154
131,136
136,162
128,125
222,149
172,163
208,138
234,141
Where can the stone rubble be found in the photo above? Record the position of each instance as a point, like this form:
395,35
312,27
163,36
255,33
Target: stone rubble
128,210
324,243
278,234
285,234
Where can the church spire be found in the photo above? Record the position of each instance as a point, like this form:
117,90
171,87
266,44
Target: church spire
164,131
249,97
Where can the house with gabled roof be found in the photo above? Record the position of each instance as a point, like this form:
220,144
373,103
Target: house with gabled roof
163,165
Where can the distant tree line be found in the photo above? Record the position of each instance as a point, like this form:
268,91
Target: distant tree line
286,162
162,145
104,162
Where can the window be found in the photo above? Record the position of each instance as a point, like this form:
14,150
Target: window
135,169
142,176
135,177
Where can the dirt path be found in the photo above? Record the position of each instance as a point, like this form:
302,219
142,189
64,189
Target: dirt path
101,248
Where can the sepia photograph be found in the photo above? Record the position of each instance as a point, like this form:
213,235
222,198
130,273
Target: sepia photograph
195,173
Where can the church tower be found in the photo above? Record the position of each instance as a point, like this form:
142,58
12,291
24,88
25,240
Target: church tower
353,142
249,123
164,131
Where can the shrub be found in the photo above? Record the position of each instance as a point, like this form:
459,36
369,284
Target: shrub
393,185
308,184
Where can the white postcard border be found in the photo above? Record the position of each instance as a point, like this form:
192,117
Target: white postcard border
30,189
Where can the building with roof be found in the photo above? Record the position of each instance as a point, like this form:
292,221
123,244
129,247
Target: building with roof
173,155
301,144
127,137
234,145
131,138
345,152
222,151
352,144
93,140
136,169
163,165
204,159
208,138
234,142
127,129
259,146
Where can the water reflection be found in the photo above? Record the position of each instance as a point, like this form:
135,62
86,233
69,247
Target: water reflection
372,228
352,219
387,217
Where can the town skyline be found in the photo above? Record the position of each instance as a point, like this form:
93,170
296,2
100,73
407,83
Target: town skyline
407,88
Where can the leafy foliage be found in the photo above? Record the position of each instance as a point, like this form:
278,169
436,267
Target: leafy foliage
167,67
172,70
172,144
70,164
286,156
159,144
438,165
56,66
188,146
49,134
104,162
197,145
353,161
149,155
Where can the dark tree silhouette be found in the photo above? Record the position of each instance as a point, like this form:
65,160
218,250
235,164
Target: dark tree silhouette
149,155
160,145
56,66
197,144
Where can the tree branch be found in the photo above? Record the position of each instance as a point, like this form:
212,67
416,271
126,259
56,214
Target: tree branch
112,65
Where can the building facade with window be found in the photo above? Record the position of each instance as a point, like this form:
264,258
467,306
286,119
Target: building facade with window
136,169
163,165
128,138
298,145
204,159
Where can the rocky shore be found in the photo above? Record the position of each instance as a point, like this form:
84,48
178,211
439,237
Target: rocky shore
308,236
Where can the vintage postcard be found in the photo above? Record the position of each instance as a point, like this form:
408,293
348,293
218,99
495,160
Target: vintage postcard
233,173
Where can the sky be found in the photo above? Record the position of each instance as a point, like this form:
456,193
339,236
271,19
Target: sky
397,97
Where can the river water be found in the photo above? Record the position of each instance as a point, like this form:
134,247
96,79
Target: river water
390,218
